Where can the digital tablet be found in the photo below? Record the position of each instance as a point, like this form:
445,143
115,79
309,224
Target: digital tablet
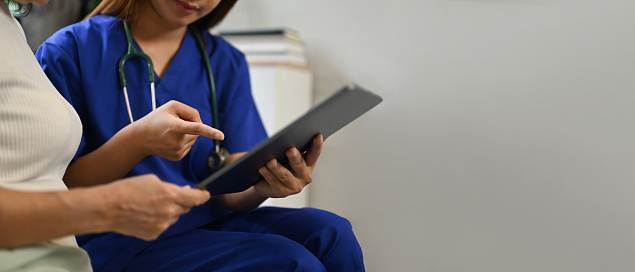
329,116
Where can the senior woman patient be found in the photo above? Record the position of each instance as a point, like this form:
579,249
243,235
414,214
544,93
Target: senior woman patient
39,134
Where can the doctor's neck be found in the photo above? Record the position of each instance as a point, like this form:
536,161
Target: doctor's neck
148,25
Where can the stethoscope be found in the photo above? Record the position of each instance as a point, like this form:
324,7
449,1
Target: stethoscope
219,156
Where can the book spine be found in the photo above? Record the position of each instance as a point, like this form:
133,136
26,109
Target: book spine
269,47
285,32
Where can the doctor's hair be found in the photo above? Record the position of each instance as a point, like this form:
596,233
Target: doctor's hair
127,9
19,10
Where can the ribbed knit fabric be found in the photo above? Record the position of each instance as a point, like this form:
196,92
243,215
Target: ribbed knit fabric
39,130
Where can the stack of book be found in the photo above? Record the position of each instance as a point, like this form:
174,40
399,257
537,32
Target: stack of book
267,46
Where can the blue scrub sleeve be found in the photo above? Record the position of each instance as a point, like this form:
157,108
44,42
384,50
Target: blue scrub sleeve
61,69
240,118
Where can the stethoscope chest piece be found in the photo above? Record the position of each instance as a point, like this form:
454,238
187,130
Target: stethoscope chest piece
217,159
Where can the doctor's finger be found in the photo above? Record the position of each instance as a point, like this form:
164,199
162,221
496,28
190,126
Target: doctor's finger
269,188
195,128
311,156
183,111
282,174
296,161
276,187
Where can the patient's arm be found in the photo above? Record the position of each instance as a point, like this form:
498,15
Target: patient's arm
141,206
27,218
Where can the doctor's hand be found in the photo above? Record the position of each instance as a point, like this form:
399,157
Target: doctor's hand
280,181
144,206
170,131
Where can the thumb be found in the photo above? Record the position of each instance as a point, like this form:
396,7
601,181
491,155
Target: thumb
192,197
184,111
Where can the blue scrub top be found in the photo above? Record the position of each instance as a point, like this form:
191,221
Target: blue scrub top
82,59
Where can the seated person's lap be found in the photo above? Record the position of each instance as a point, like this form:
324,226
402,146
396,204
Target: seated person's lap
279,239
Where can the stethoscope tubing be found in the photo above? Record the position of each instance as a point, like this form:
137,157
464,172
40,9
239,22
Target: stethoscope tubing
210,82
132,52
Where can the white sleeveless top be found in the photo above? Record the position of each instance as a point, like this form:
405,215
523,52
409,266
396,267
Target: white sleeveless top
39,130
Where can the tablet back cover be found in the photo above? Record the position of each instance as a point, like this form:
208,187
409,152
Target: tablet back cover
329,116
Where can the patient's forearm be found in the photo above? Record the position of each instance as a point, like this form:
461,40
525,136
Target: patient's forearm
28,218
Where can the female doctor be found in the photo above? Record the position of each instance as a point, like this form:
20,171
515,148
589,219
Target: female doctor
228,233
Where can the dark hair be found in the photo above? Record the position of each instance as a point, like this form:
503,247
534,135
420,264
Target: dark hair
19,10
126,9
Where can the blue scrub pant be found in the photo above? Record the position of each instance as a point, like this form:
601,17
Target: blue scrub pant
265,239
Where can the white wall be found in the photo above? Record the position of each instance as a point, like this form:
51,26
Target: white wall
505,141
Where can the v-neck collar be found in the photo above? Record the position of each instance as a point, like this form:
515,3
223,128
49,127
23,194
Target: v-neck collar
179,63
187,55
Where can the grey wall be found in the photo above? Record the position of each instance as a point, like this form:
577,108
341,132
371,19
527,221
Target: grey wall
505,141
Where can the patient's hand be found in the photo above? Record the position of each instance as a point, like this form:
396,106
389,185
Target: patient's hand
144,206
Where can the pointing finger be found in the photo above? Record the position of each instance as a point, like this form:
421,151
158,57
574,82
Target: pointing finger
201,129
184,112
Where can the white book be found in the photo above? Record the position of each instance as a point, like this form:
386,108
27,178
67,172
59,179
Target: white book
269,45
282,32
277,58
